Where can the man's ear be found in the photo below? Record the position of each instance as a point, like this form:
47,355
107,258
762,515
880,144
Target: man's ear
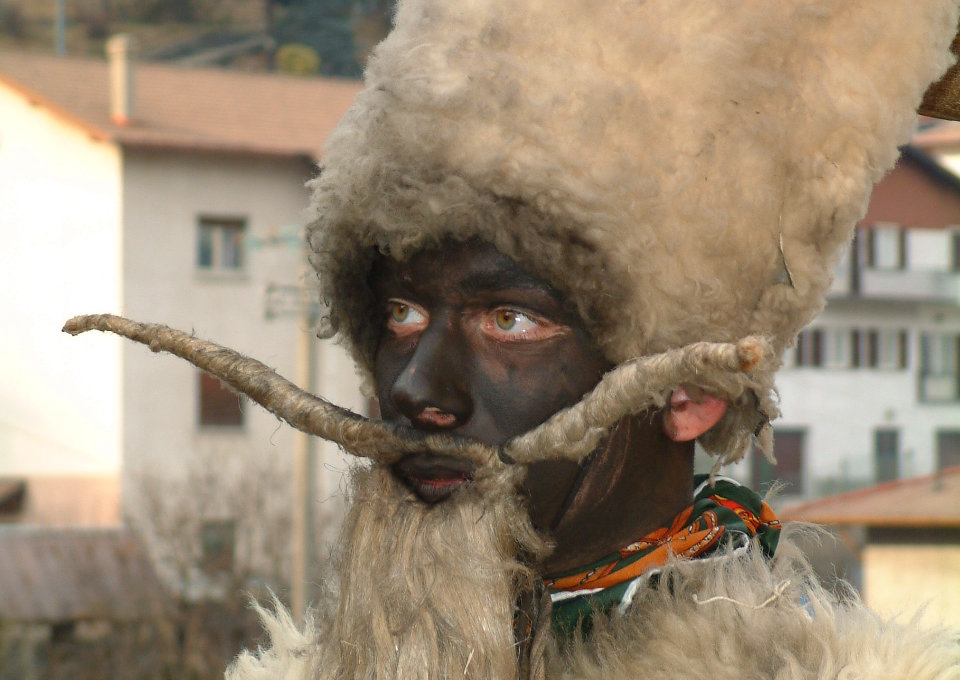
686,418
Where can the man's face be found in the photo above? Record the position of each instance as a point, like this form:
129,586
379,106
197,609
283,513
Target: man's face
473,345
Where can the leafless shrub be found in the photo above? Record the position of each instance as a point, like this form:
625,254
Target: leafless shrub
220,533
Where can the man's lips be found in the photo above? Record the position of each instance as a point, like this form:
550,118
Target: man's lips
434,478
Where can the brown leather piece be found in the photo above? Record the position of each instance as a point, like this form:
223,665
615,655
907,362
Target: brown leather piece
942,99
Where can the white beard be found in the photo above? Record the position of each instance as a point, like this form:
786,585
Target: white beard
428,591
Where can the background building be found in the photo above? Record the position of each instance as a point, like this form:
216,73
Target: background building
170,195
904,540
60,500
176,195
871,392
72,600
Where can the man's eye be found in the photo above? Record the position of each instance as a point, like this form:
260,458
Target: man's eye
405,317
512,321
506,324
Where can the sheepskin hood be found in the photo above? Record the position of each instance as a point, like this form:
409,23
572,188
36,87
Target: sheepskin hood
685,170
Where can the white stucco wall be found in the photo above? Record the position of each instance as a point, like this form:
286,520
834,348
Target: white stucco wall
60,236
164,195
901,580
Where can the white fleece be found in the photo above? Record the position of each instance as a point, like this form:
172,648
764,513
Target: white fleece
738,618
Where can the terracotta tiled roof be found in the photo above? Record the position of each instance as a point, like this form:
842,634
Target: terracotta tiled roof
58,575
927,501
188,108
918,192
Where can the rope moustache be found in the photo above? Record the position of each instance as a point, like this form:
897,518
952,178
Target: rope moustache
728,370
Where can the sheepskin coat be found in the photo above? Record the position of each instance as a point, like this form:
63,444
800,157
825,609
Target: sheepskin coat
683,171
736,617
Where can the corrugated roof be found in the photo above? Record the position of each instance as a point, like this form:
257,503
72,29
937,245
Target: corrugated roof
927,501
188,108
56,575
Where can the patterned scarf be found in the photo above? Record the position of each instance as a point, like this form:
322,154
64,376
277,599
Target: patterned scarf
725,514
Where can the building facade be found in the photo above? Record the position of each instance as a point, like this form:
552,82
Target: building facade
185,208
871,391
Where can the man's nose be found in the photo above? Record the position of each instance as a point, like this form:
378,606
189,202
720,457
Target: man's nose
432,389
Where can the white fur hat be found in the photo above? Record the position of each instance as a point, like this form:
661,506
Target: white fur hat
684,170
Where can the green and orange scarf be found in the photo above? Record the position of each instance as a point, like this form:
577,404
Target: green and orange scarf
724,514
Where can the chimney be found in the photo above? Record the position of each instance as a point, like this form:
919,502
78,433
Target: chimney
121,50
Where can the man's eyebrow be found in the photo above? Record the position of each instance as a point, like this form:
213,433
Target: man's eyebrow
501,279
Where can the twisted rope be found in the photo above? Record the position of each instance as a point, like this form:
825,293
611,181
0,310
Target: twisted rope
726,370
723,369
383,442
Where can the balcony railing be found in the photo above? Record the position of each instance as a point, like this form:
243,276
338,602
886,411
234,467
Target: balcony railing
909,284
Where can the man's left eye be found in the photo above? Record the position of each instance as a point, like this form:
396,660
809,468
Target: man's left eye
507,324
512,321
405,318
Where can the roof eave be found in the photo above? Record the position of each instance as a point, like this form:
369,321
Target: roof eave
217,148
122,136
94,131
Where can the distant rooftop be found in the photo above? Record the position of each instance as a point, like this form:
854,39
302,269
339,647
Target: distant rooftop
937,136
59,575
187,108
60,500
926,501
918,192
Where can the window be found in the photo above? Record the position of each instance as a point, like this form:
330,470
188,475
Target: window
846,271
885,247
809,350
939,364
948,448
886,454
219,406
841,348
217,543
955,248
837,353
837,348
220,244
885,348
788,450
63,631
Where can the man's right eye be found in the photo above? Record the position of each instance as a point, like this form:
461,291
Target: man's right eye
405,317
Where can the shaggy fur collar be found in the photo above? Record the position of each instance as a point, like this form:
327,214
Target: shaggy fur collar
736,617
746,617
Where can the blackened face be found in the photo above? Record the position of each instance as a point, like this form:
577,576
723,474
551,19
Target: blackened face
474,345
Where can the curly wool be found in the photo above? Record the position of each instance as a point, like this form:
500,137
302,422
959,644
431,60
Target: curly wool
739,616
743,616
699,164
